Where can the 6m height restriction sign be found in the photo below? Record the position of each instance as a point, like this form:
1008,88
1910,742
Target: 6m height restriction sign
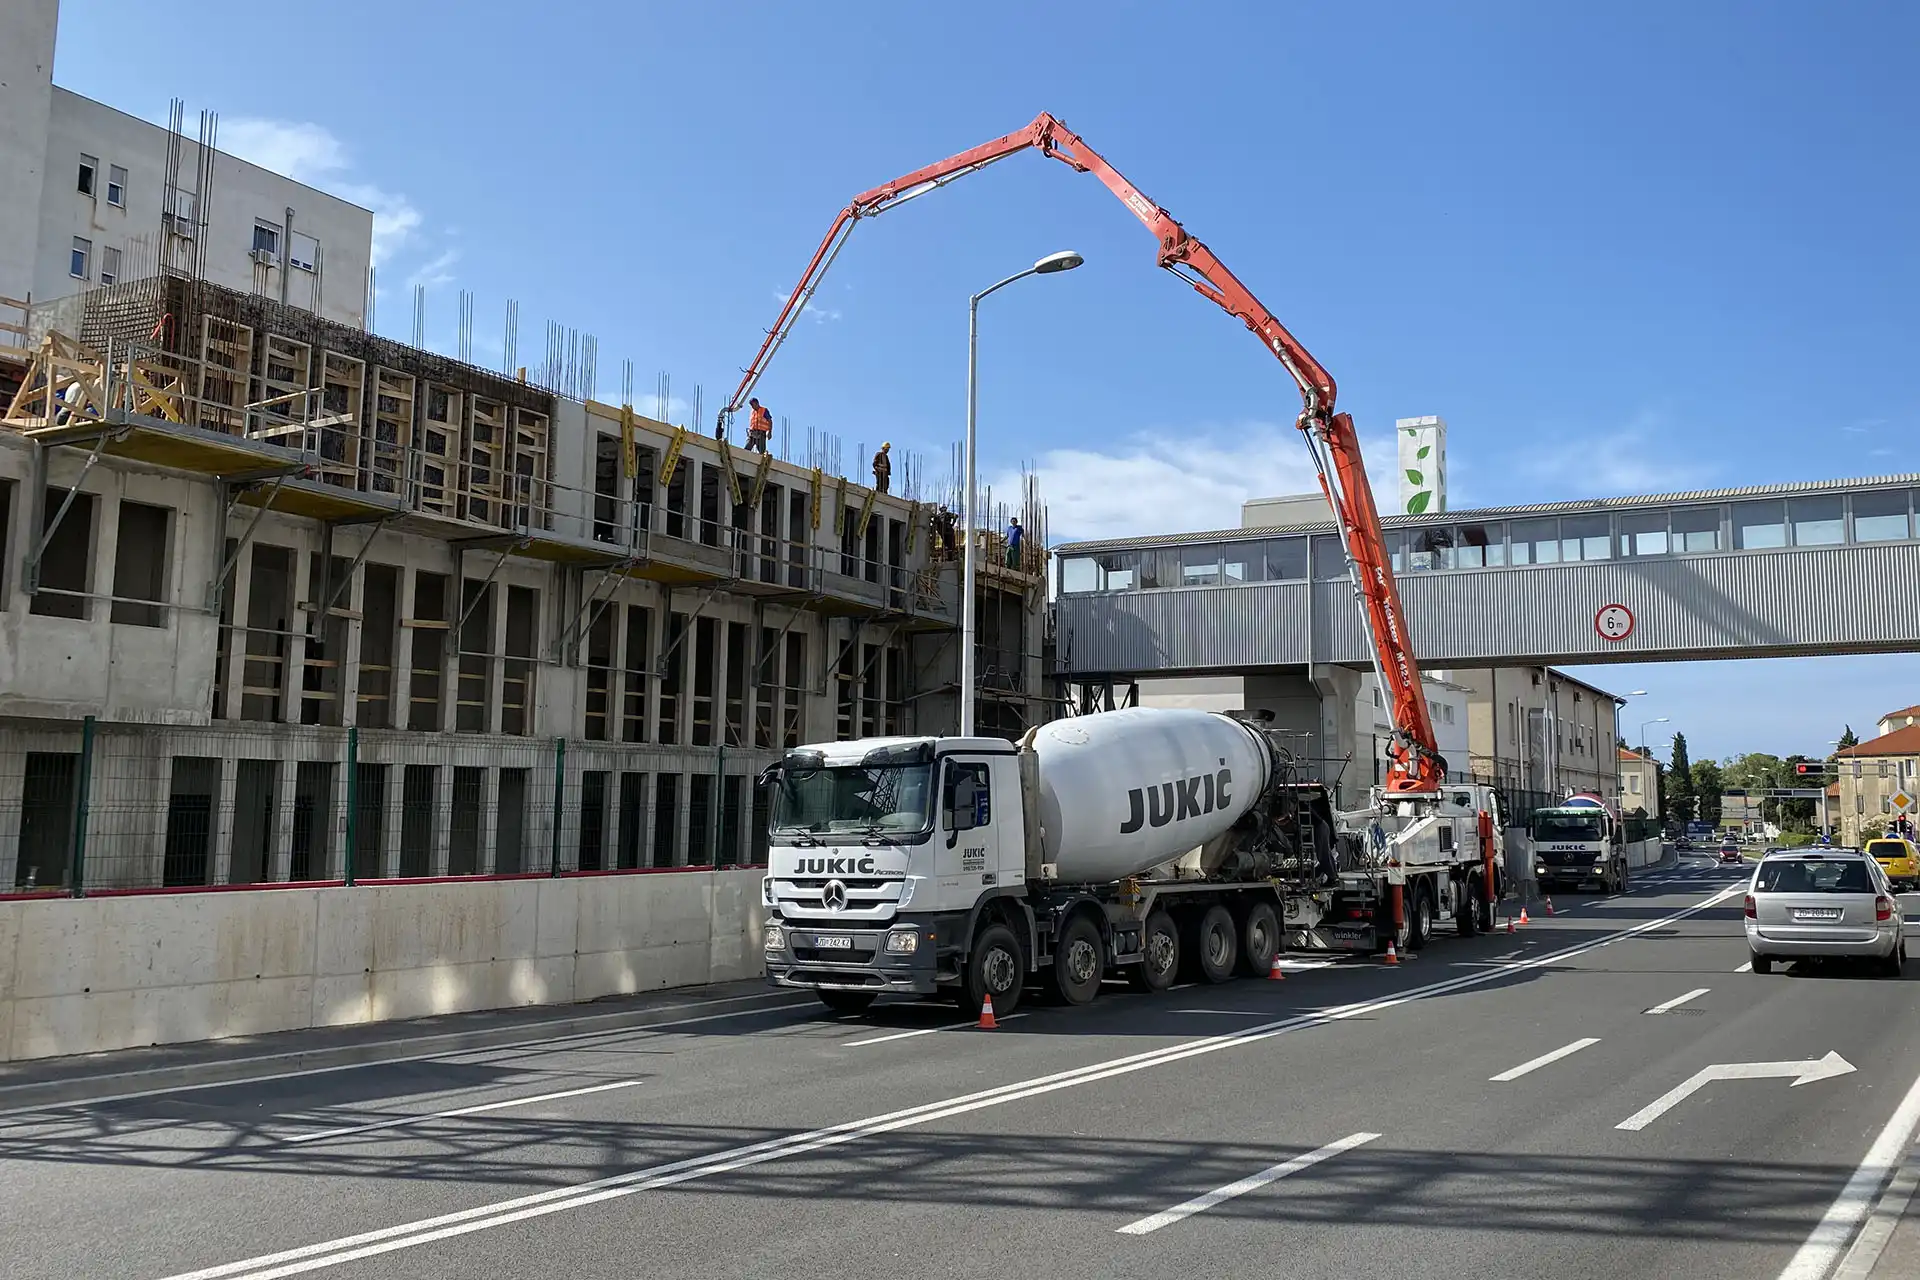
1613,622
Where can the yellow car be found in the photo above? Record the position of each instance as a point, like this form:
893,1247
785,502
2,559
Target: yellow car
1898,858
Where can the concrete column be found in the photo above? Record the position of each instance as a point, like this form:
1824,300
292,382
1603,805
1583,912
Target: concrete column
442,815
222,834
403,649
280,853
1339,738
496,667
293,675
389,853
350,660
490,822
238,591
106,547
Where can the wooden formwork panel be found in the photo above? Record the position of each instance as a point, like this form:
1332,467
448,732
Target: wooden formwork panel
343,387
226,370
483,469
280,391
529,461
443,413
389,431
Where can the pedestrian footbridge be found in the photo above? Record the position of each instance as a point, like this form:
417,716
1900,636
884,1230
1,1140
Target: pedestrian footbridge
1770,571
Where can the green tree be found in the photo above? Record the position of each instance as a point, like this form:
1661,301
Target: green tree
1682,801
1708,783
1848,739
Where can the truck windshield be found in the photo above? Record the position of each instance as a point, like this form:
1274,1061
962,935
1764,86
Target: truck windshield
1566,826
858,797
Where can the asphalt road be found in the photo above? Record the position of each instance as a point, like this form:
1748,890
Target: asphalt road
1355,1120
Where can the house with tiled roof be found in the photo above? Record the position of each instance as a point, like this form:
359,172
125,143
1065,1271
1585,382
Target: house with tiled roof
1871,773
1639,782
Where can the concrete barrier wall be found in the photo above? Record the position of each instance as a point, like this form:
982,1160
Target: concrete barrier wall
1644,853
90,974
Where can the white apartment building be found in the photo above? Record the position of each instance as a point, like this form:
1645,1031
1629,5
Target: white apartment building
85,199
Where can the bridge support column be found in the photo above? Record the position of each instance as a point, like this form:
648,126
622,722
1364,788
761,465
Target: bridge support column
1339,690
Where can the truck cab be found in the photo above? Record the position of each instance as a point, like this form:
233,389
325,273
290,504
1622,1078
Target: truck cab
1577,846
881,854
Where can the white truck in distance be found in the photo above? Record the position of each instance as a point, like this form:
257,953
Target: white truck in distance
1577,845
1128,843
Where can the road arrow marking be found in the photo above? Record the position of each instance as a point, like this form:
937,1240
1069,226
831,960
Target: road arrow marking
1808,1070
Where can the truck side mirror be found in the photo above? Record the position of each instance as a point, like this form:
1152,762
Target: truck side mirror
961,803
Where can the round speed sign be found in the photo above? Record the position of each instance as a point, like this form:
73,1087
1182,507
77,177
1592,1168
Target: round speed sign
1614,622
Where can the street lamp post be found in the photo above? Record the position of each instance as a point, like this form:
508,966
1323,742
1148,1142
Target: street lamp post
1643,731
1066,260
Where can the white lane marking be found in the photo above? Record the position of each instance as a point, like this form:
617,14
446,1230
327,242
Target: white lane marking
1545,1059
786,1002
1200,1204
402,1121
1816,1256
1805,1071
1745,968
405,1235
1872,1240
924,1031
1677,1001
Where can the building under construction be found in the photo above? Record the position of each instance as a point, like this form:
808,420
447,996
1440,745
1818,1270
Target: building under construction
286,600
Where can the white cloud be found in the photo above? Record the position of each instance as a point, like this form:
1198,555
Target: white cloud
1643,456
436,272
1163,481
820,314
309,153
674,411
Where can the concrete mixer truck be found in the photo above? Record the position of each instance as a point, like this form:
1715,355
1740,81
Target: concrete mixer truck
1140,844
1123,842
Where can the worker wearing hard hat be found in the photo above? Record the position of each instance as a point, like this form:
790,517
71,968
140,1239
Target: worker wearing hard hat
883,467
759,426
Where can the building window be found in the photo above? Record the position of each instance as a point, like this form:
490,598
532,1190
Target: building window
109,265
302,251
266,237
140,565
117,186
1633,784
77,263
89,166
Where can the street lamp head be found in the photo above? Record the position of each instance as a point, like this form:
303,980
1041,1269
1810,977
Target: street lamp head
1636,693
1663,719
1065,260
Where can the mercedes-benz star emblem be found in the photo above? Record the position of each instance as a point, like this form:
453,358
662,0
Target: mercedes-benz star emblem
834,896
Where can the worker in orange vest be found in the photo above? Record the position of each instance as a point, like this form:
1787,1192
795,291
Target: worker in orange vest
759,426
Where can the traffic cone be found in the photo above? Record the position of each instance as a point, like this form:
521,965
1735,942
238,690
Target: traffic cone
1393,957
1510,924
986,1014
1523,916
1273,973
1549,902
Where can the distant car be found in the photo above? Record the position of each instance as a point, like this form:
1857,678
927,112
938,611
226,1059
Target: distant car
1822,903
1683,844
1897,857
1729,851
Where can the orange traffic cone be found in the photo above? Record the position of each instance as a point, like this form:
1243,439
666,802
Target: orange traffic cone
1273,972
1393,957
986,1014
1510,924
1523,916
1549,902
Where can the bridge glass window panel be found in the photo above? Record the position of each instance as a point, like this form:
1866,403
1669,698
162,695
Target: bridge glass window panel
1480,546
1881,516
1160,568
1286,560
1536,541
1431,548
1079,574
1241,562
1695,528
1643,533
1586,538
1817,522
1119,570
1759,525
1200,566
1329,559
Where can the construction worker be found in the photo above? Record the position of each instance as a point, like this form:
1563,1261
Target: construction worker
945,538
1014,534
759,426
883,467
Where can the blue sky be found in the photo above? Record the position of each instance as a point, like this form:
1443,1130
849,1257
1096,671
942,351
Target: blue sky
1626,248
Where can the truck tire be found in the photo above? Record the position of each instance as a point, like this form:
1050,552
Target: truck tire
1160,940
997,966
847,1001
1259,940
1419,900
1465,921
1489,911
1217,948
1078,963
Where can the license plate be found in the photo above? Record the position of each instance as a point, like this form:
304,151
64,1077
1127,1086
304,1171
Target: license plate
833,941
1816,913
1352,932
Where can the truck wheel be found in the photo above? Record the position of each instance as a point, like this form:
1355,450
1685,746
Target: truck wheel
1078,963
998,968
847,1001
1488,910
1464,911
1160,941
1219,944
1419,916
1259,940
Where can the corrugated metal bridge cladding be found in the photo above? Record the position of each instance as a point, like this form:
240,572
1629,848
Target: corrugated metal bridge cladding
1855,597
